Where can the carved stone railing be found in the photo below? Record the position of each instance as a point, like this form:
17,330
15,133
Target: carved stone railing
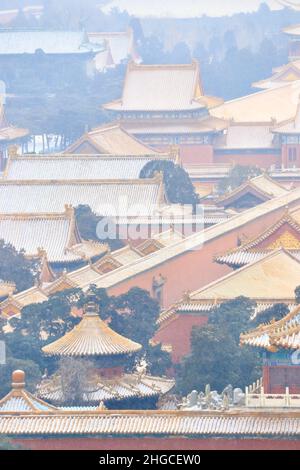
271,400
255,387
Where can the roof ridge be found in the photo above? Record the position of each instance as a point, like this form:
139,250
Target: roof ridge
89,157
134,66
35,215
285,218
244,185
67,182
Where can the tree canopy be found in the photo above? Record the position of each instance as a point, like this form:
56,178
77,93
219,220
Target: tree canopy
178,185
297,294
237,176
15,267
87,222
276,312
216,357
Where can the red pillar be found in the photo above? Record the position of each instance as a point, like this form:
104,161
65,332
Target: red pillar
266,379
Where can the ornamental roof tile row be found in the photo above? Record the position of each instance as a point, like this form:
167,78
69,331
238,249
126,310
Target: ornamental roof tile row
76,167
281,334
105,197
55,234
153,423
23,414
104,390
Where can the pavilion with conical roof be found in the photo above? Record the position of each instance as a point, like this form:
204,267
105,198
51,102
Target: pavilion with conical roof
92,337
107,354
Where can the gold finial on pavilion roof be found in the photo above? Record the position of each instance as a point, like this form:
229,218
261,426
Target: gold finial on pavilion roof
18,379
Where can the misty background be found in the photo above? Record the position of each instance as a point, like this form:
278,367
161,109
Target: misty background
188,8
233,50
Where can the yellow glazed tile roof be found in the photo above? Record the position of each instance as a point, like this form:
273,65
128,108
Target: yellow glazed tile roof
274,277
91,337
284,333
267,106
112,139
162,87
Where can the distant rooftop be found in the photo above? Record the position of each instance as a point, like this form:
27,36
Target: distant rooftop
57,234
14,42
163,88
75,167
293,30
143,196
119,47
110,139
272,105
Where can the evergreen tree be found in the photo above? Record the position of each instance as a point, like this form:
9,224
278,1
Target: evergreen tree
237,176
178,185
14,267
87,222
216,357
277,312
181,54
297,295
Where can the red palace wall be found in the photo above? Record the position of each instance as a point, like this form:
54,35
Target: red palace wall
175,443
285,156
192,153
262,160
207,154
178,332
277,378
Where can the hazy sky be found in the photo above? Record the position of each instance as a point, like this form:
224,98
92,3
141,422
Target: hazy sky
187,8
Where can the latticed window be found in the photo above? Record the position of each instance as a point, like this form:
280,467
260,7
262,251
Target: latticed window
292,154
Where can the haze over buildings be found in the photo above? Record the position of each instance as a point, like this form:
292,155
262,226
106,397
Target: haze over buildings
188,8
